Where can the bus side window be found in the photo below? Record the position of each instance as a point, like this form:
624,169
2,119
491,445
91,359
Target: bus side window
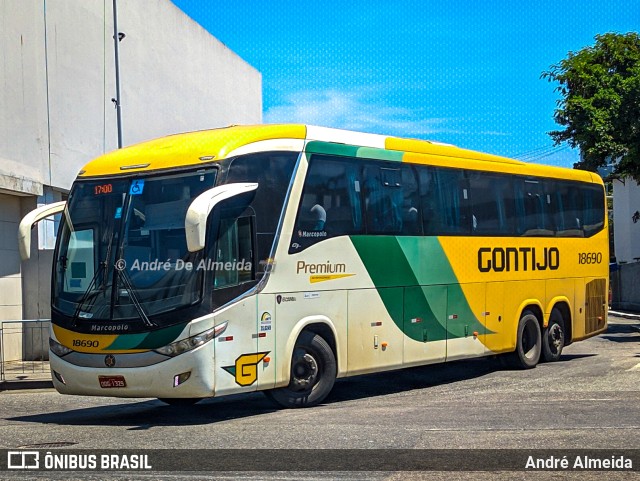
568,208
493,204
534,206
391,200
330,204
593,209
444,198
272,171
234,253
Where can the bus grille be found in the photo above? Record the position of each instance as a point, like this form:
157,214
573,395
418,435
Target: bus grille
595,305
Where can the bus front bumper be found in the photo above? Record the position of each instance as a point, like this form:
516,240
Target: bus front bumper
189,375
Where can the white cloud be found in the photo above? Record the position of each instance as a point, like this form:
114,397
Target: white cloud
352,111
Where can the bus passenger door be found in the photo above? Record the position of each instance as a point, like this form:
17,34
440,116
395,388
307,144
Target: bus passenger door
465,321
425,320
237,357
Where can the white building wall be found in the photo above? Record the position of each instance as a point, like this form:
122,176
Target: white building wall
626,201
57,79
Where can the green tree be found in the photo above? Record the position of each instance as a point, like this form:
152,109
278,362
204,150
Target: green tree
599,106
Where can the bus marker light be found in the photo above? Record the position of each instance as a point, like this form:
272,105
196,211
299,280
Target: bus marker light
134,166
475,334
180,378
375,342
267,360
416,320
384,345
59,377
374,324
453,316
227,338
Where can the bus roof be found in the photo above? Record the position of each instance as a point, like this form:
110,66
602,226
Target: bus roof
205,146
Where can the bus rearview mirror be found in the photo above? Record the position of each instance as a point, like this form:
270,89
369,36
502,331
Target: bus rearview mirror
32,218
195,222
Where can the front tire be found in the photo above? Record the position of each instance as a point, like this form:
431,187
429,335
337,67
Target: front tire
528,342
553,337
313,373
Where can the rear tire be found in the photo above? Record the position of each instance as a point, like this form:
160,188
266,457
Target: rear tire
553,337
528,342
313,373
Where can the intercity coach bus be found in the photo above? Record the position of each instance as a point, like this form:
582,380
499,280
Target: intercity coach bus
281,257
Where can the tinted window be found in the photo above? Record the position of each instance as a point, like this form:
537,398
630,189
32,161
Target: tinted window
331,202
493,204
391,199
534,208
272,171
593,208
444,197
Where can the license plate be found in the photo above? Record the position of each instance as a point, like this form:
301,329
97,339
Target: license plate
112,381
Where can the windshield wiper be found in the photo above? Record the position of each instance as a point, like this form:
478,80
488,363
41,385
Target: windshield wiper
85,295
122,275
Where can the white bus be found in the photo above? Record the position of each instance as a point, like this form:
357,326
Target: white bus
281,257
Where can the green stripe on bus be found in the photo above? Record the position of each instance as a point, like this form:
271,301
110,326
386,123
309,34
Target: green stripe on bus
147,340
126,341
379,154
161,337
330,148
410,263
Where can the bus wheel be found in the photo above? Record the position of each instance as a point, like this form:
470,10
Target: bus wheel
180,401
528,343
313,372
553,337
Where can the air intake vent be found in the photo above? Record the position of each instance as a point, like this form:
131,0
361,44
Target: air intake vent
596,299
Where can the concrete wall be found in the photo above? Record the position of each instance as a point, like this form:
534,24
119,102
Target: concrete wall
57,79
625,287
10,273
626,201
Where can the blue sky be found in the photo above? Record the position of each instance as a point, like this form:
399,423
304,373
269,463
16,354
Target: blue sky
461,72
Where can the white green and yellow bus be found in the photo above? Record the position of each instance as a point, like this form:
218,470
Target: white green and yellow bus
281,257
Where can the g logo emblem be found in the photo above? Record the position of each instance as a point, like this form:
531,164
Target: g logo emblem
246,368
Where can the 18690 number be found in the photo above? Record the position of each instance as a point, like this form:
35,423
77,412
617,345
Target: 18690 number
589,257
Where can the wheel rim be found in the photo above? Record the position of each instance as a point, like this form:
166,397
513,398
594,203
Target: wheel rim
556,338
529,341
304,371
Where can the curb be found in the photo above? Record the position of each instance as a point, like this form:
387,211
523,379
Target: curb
14,385
625,315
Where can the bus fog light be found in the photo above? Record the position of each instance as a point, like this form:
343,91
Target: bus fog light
58,376
180,378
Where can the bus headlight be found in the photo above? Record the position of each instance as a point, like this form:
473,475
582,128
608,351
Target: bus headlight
186,345
58,349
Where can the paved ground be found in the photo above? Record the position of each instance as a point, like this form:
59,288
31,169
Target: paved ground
588,400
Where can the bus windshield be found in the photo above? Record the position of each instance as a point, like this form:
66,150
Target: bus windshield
122,252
